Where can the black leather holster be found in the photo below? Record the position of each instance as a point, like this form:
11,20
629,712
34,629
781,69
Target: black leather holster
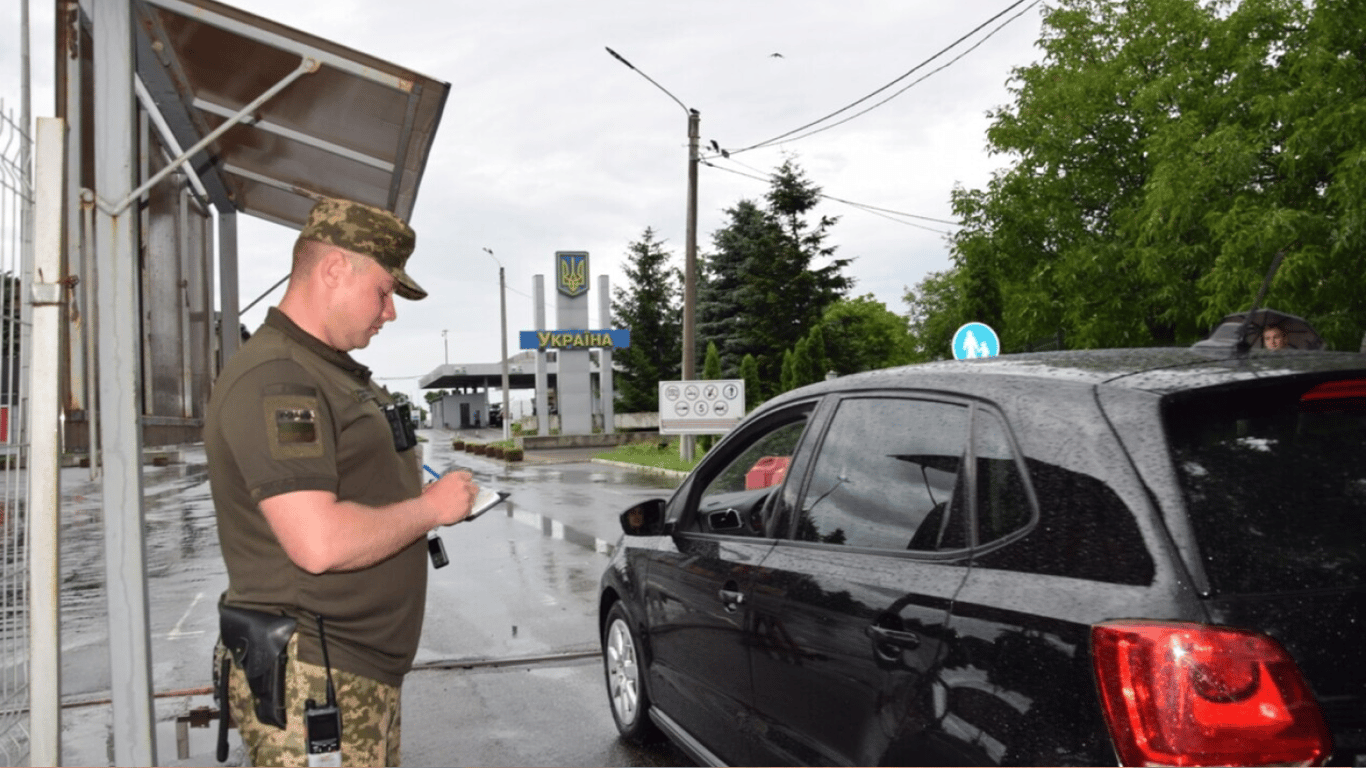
258,643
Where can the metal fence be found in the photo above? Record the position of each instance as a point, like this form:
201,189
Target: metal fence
16,211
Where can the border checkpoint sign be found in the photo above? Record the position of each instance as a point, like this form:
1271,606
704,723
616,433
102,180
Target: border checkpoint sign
700,407
974,340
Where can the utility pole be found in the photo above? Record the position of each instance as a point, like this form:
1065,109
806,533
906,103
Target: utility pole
503,309
689,247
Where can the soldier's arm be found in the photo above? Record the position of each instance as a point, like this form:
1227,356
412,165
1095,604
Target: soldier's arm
320,533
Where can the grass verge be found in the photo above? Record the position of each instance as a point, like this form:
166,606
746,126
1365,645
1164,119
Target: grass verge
651,455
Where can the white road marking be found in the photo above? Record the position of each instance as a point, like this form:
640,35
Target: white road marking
176,632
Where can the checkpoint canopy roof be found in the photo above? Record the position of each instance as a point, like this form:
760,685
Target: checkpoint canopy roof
341,123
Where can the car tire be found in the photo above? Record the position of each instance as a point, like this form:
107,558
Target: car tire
627,694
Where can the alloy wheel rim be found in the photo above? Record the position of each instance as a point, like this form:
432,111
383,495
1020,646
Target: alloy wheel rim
623,674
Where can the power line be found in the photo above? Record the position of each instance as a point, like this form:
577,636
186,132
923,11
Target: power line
919,80
912,71
886,213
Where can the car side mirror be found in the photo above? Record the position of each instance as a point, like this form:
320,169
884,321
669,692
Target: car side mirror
644,519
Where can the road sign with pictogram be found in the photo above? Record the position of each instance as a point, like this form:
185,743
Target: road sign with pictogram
705,407
974,340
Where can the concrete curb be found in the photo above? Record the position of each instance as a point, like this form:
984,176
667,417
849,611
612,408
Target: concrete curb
678,473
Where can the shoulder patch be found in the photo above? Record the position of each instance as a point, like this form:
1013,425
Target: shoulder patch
293,426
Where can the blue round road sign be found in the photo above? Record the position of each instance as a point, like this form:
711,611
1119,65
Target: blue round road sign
975,340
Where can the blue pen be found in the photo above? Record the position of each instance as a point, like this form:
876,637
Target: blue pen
433,471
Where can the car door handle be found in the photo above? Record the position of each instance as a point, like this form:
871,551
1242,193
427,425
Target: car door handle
895,637
731,599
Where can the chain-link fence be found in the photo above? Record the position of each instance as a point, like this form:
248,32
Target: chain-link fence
16,207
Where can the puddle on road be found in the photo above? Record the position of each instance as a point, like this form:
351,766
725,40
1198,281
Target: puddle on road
510,476
180,538
554,529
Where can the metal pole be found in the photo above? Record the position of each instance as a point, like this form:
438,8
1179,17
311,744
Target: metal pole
503,306
21,435
605,382
685,446
133,723
49,291
542,376
690,272
229,317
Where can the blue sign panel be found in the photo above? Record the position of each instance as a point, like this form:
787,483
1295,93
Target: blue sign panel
975,340
616,338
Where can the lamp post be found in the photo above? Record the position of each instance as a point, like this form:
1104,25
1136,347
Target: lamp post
503,309
689,247
447,345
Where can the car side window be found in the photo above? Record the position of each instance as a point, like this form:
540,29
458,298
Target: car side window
887,476
1002,501
737,492
1085,531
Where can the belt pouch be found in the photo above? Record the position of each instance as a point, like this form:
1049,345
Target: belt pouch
258,642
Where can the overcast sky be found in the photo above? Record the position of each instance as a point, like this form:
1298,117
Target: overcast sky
548,143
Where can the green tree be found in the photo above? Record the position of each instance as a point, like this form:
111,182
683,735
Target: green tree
786,375
861,334
771,275
649,305
815,349
801,363
711,369
754,392
1162,153
711,364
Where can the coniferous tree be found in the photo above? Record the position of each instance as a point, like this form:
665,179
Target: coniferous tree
650,306
771,276
801,363
711,369
815,350
754,392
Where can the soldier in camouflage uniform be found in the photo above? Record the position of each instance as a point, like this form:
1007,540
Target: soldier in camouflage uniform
320,512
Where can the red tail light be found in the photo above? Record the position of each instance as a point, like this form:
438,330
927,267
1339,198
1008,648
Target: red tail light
1190,694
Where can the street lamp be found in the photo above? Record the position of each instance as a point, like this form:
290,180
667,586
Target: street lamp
447,345
690,243
503,308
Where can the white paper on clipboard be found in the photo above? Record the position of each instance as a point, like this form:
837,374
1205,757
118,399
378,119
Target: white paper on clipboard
486,499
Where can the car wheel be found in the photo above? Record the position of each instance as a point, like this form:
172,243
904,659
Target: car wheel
626,690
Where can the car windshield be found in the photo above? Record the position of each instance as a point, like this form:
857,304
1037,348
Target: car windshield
1274,477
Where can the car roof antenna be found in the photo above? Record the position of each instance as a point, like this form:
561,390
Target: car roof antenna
1243,345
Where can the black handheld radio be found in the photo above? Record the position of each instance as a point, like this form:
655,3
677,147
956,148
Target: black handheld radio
323,724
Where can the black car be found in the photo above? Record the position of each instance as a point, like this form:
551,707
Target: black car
1072,558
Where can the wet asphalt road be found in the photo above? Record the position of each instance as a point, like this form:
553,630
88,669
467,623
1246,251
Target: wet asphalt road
506,674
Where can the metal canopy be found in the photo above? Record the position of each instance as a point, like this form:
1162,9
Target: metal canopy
342,124
484,376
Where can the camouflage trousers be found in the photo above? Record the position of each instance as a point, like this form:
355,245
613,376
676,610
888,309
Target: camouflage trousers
370,715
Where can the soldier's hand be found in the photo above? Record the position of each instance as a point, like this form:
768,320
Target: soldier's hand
451,497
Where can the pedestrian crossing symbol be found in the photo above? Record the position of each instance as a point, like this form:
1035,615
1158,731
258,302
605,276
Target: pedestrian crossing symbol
975,340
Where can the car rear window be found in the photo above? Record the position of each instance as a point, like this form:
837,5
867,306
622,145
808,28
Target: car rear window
1274,477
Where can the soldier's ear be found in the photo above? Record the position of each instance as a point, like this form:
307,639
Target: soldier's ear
333,267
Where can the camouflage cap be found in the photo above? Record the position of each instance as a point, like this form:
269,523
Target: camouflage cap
366,230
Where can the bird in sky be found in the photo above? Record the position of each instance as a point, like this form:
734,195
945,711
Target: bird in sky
775,56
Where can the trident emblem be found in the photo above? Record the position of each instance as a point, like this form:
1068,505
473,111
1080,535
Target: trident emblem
573,273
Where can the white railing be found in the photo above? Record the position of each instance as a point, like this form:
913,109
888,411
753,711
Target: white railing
16,211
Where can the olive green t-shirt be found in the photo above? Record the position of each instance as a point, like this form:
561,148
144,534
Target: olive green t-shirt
289,413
